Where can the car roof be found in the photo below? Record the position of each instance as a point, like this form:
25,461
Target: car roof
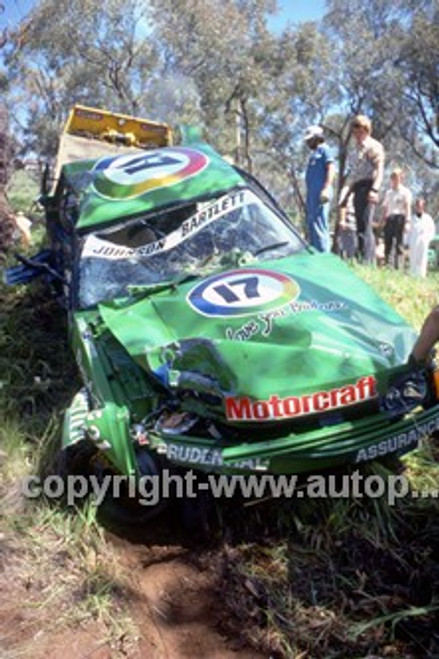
115,187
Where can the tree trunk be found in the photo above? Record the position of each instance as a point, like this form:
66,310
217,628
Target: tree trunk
6,215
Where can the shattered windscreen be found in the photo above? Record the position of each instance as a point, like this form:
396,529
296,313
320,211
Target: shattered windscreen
190,239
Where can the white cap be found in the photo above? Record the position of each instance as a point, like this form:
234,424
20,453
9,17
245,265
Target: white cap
313,131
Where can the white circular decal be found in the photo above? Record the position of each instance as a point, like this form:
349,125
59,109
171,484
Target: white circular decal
243,292
132,175
130,170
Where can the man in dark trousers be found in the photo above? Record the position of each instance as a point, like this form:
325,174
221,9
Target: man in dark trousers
396,215
365,175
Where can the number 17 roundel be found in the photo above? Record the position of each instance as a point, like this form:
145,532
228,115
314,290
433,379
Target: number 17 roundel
133,175
242,292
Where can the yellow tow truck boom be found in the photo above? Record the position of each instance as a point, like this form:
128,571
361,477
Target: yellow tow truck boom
92,133
117,128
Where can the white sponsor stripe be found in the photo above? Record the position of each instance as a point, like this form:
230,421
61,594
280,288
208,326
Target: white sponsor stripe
211,457
104,249
400,442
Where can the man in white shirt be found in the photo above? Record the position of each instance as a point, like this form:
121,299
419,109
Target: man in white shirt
421,234
396,215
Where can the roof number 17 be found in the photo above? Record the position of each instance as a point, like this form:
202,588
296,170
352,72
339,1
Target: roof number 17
249,290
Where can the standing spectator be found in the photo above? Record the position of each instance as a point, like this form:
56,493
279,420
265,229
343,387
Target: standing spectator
365,175
396,215
319,177
421,234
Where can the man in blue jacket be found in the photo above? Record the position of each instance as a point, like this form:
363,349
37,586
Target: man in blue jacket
319,177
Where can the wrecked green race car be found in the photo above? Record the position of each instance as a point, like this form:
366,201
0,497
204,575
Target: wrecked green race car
209,335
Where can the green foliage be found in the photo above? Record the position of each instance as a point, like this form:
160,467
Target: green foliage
34,377
92,54
253,91
23,190
420,64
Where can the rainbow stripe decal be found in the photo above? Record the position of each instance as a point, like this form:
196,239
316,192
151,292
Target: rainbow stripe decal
243,292
133,175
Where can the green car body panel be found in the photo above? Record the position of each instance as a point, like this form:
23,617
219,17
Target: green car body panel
106,197
251,366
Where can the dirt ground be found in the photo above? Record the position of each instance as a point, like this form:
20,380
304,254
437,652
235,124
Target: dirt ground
174,595
177,604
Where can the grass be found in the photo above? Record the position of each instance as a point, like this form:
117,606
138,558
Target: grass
412,297
56,563
59,558
22,190
69,573
337,578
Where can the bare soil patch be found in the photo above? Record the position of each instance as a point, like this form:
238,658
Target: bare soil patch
169,588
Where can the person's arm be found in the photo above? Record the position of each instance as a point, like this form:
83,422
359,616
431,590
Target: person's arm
385,208
427,338
409,206
344,196
431,229
408,210
342,211
376,156
329,175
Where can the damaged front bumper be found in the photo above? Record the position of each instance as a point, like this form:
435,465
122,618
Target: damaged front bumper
354,442
404,415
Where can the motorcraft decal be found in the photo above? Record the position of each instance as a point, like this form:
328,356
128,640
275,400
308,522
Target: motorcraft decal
245,409
243,292
105,249
211,458
401,442
133,175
